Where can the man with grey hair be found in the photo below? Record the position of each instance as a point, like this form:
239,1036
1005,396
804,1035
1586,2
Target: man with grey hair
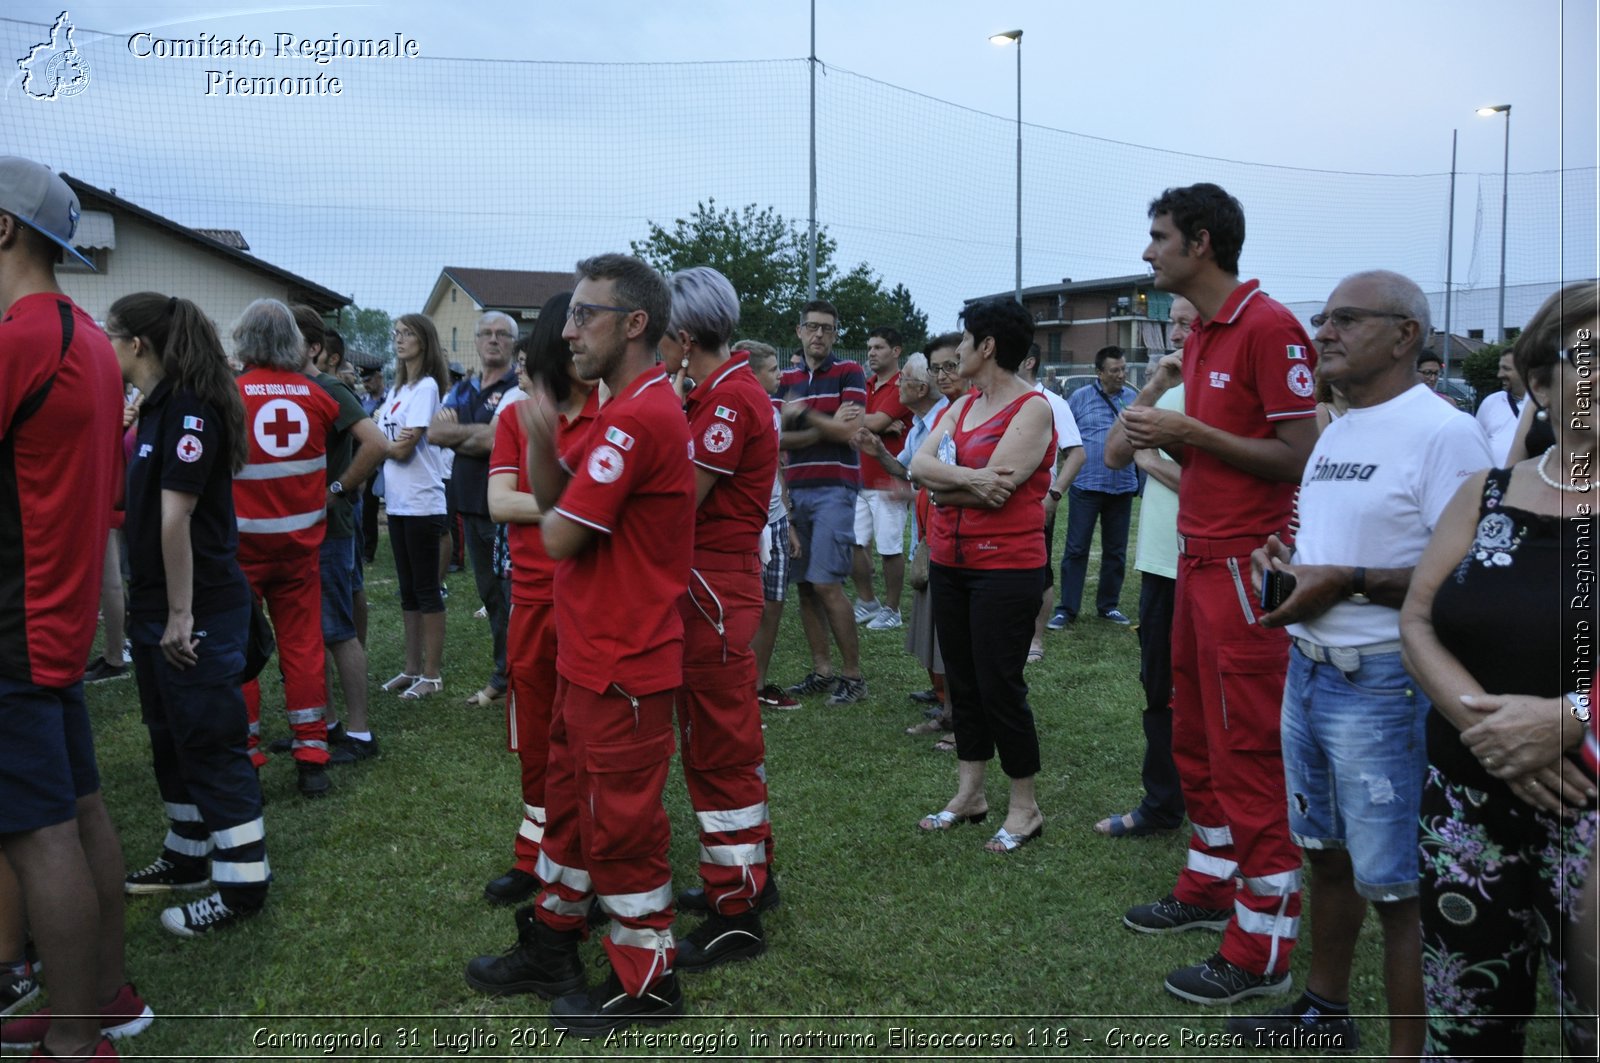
735,454
465,424
1354,749
280,499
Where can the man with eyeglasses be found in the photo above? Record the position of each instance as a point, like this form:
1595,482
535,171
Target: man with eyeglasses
824,404
1243,438
1354,746
464,425
1430,367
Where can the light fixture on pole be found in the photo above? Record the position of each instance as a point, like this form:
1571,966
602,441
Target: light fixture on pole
1015,37
1505,184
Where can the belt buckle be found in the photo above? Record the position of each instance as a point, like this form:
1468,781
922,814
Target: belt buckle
1183,546
1345,658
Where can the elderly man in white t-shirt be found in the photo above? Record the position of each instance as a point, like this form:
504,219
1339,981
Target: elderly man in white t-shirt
1354,750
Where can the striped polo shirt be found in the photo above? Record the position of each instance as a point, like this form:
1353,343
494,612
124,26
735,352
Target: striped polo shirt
823,390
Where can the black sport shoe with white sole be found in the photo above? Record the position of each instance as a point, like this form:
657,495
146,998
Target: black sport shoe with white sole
205,916
1170,915
1217,981
168,872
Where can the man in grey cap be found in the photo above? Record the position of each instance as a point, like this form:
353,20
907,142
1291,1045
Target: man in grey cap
59,379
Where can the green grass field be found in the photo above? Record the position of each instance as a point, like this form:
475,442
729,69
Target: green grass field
376,905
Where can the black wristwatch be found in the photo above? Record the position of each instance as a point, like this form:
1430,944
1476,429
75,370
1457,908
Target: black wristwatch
1358,587
1055,494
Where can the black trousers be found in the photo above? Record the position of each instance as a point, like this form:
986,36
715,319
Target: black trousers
984,619
1163,796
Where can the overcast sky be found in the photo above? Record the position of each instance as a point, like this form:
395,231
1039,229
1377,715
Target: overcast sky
1369,86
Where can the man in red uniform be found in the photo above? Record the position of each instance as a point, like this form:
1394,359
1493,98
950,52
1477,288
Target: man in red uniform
881,510
60,416
719,719
280,498
614,507
1243,441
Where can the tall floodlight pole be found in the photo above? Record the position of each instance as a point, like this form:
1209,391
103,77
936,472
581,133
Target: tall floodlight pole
1505,186
811,251
1449,260
1015,37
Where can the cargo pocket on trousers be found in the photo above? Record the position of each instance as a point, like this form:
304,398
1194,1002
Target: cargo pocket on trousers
625,784
1252,695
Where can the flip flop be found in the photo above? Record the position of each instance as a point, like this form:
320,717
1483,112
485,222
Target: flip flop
926,727
1035,656
945,745
1131,824
945,819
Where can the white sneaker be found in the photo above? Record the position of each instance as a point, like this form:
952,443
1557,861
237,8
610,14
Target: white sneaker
867,610
886,620
482,613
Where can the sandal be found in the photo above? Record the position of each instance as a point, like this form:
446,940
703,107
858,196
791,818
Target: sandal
486,697
425,687
1035,656
1132,824
947,744
926,727
945,819
1006,842
400,683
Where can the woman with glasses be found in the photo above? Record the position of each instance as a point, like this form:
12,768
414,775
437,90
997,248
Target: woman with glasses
987,463
413,496
1494,629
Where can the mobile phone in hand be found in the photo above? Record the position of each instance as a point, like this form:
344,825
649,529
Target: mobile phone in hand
1275,588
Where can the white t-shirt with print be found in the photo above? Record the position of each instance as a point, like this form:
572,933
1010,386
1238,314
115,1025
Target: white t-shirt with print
414,487
1372,492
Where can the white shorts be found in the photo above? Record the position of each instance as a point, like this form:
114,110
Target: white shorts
881,519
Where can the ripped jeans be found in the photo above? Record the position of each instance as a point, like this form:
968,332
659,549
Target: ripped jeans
1355,758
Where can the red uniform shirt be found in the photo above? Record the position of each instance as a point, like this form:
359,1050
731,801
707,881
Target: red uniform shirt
885,398
59,467
1245,369
1010,537
533,571
617,599
730,429
281,495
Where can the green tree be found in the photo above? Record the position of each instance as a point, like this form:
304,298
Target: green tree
367,332
764,255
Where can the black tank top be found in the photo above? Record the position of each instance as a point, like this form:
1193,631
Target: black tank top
1516,613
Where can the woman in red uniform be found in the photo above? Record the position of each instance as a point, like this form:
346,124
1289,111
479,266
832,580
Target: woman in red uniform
987,463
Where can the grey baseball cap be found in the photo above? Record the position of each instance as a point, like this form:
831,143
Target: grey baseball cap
41,200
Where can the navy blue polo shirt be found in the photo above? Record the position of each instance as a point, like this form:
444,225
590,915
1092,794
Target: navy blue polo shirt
182,446
469,479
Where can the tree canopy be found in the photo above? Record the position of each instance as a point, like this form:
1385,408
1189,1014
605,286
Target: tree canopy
764,255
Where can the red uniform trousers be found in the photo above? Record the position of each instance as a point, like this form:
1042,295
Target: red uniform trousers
607,832
719,721
1228,674
531,682
291,585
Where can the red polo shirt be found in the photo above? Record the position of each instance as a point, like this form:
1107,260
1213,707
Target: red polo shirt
616,600
533,571
885,398
1250,366
730,429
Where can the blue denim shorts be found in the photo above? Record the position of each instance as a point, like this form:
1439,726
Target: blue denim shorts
338,561
825,520
1355,758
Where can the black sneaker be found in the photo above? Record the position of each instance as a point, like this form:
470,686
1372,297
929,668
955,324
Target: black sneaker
17,987
513,887
607,1007
360,748
722,939
694,900
314,780
925,697
100,670
337,736
813,683
169,872
1170,915
849,691
543,961
1216,981
204,916
1298,1026
280,745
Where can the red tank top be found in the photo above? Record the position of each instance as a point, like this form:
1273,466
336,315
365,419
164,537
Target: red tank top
1010,537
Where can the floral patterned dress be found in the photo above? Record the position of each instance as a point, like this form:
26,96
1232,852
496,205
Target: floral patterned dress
1500,879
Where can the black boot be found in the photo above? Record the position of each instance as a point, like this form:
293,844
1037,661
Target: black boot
607,1007
721,939
543,961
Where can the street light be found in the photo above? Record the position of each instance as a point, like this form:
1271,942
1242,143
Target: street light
1505,185
1015,37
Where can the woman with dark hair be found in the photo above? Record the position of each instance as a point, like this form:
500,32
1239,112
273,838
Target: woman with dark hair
987,463
413,497
189,610
544,364
1494,629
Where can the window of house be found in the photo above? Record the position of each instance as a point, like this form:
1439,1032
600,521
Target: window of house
452,295
452,339
1054,345
1474,333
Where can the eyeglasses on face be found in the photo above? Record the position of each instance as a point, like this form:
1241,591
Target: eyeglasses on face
580,314
945,368
811,328
1348,317
1431,374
